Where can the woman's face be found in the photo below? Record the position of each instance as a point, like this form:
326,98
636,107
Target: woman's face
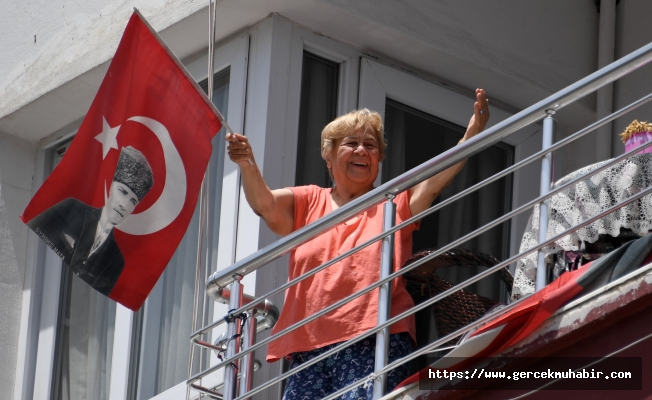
121,202
355,158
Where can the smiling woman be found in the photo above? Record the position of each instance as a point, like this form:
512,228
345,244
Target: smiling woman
352,146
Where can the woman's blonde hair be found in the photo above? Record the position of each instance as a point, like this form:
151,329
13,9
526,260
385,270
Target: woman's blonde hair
347,124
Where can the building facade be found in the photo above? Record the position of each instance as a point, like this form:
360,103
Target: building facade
283,68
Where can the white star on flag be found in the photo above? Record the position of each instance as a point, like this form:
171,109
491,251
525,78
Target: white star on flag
108,138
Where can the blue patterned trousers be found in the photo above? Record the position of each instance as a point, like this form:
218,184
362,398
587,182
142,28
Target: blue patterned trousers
344,368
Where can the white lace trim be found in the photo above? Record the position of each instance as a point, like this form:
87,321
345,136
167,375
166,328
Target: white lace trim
583,201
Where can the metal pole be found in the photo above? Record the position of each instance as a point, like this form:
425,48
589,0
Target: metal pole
203,201
604,98
384,297
233,344
247,363
546,178
212,6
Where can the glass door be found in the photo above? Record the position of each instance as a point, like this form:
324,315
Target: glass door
423,119
413,138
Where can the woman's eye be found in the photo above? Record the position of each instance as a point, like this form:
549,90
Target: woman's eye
133,202
122,191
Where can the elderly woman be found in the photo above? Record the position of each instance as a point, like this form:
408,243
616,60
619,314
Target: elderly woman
352,146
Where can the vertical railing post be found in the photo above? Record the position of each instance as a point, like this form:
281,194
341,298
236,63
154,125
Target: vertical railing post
549,125
233,337
384,297
247,363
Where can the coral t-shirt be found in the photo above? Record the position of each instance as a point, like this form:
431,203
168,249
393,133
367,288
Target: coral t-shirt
342,279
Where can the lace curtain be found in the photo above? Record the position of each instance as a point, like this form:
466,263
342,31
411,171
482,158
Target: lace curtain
583,201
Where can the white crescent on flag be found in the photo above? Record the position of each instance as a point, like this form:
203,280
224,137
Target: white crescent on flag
170,203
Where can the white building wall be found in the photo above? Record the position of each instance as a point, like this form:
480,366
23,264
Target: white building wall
16,170
46,44
631,34
73,38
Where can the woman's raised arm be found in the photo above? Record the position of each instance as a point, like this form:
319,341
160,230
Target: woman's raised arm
275,207
423,194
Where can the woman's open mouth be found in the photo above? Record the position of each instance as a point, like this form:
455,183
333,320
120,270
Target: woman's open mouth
119,213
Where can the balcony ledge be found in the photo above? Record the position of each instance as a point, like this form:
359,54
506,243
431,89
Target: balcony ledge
601,316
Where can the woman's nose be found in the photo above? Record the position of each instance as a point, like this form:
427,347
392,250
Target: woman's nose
360,149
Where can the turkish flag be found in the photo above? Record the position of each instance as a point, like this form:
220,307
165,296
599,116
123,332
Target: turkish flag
119,202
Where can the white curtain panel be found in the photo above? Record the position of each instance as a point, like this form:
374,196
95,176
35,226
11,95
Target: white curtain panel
87,344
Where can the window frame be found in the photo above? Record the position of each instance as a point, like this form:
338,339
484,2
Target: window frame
379,81
272,126
43,277
234,56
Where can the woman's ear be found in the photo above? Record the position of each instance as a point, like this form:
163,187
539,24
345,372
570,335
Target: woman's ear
328,161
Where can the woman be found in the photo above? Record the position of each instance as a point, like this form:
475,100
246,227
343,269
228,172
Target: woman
352,146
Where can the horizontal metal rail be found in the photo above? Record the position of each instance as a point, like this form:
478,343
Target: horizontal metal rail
437,298
505,172
430,347
461,331
439,163
214,391
207,391
451,245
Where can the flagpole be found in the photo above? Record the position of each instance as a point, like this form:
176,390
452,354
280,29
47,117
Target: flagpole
203,197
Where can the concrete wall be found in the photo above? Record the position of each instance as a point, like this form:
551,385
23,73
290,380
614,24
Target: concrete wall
46,44
520,52
631,34
17,159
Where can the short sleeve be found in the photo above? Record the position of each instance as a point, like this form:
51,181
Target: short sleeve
305,198
403,212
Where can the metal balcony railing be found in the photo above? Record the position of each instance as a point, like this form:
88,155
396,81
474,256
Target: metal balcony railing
231,276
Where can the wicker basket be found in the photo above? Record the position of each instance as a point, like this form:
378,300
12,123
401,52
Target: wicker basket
460,308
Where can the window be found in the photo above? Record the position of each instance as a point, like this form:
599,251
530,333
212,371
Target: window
423,119
167,316
84,338
86,324
82,345
414,137
318,108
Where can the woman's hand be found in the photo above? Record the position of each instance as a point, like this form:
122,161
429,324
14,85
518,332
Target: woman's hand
239,149
480,115
275,207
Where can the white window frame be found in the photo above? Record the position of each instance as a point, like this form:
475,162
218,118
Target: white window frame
233,55
347,91
40,307
379,82
272,123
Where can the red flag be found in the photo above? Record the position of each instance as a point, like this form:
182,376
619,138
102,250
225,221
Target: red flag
119,202
510,328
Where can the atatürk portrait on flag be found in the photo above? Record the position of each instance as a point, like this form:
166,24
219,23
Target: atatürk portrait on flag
83,237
